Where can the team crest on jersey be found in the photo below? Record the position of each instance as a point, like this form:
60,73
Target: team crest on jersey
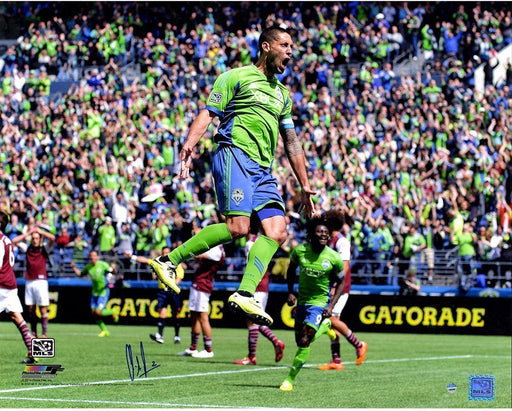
216,98
237,195
326,264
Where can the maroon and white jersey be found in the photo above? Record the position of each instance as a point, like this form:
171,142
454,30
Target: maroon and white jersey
341,244
36,263
7,277
202,279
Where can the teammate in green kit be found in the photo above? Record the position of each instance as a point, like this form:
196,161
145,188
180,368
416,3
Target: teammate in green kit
253,108
319,268
97,271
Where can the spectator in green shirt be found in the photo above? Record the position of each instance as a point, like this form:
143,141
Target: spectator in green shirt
467,240
413,245
143,238
160,234
107,235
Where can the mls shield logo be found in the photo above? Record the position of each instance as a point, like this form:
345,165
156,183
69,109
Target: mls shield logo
43,347
237,196
216,98
481,387
326,264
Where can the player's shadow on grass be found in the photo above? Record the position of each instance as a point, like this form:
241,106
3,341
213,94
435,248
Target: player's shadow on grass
256,385
203,361
190,359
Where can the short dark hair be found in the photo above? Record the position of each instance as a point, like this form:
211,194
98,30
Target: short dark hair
4,220
269,34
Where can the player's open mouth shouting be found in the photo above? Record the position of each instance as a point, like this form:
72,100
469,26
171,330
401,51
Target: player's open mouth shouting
285,63
279,53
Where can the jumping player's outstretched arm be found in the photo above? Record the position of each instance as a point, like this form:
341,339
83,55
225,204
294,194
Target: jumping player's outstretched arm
196,131
295,154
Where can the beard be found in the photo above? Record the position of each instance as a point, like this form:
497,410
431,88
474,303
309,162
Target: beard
276,63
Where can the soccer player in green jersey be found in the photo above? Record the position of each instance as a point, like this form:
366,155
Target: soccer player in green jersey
254,108
97,271
319,268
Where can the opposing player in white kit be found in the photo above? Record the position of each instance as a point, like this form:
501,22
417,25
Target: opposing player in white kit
9,300
199,302
36,276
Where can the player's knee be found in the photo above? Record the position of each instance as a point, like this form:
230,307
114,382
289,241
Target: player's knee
238,227
239,232
275,228
303,341
15,317
280,237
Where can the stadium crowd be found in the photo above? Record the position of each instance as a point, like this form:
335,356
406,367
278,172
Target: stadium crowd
416,163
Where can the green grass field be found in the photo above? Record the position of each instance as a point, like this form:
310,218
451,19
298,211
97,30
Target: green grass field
401,371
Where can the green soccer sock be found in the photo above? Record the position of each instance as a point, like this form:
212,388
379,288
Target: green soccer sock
101,324
322,329
258,260
301,356
107,312
209,237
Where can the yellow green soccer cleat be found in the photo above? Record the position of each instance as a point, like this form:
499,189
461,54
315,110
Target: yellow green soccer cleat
324,328
249,307
331,334
166,273
104,334
286,386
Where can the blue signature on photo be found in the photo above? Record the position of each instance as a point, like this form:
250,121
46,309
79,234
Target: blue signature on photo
137,367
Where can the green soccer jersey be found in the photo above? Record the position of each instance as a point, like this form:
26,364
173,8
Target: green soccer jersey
97,273
316,272
252,109
466,244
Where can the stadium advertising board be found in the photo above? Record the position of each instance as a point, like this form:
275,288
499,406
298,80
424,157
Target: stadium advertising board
385,313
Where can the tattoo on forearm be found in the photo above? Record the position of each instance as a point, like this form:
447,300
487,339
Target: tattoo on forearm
292,144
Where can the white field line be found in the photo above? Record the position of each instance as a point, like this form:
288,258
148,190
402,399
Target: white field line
157,404
205,374
132,403
167,377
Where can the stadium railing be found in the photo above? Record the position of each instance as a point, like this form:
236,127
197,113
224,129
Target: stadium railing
447,270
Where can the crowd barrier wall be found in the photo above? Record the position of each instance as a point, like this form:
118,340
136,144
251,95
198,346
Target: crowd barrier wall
366,310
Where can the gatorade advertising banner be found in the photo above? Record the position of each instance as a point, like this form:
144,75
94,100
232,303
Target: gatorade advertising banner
375,313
